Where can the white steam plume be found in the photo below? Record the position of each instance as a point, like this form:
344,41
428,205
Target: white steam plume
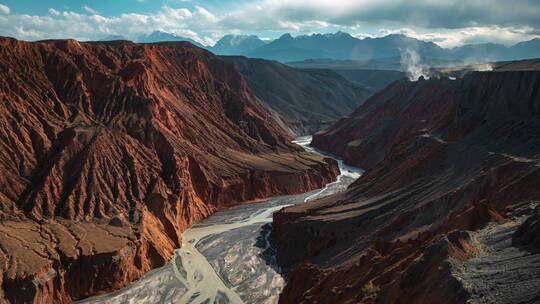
410,63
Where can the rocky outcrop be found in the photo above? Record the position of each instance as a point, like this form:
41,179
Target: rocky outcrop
502,271
303,100
442,156
528,233
438,108
108,151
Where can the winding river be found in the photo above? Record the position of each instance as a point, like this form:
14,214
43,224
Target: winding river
226,258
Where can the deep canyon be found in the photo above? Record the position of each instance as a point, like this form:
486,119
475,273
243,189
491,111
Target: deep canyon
109,151
160,172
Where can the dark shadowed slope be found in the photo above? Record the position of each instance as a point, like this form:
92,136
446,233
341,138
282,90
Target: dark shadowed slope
441,155
306,100
373,79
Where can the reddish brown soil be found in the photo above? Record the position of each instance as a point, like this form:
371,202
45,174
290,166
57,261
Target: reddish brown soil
109,151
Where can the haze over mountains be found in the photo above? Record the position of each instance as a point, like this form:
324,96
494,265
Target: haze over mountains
343,46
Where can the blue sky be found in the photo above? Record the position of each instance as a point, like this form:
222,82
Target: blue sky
446,22
106,8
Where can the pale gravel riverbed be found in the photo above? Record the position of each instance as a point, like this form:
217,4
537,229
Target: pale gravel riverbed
226,258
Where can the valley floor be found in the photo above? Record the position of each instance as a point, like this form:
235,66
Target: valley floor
228,257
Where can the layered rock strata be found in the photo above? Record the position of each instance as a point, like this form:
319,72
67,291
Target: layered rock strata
442,155
108,151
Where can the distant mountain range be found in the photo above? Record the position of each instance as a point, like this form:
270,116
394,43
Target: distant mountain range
343,46
340,46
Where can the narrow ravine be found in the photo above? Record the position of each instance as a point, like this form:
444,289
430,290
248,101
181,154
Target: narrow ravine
228,257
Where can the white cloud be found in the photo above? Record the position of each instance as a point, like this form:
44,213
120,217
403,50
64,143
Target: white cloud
90,10
54,12
363,35
178,13
470,35
206,26
422,13
82,26
205,16
4,9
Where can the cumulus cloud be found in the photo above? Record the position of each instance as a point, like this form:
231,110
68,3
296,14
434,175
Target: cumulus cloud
470,35
446,22
4,9
82,26
422,13
452,22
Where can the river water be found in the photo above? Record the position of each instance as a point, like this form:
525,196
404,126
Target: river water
226,258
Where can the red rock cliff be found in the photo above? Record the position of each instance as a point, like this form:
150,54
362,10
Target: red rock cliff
441,155
108,151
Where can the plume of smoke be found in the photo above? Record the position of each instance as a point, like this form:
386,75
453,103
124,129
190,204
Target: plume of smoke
411,63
